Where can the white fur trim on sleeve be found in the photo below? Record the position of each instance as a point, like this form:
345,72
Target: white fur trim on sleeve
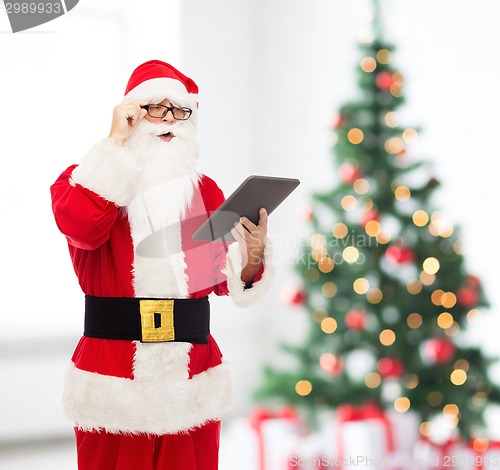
241,296
108,170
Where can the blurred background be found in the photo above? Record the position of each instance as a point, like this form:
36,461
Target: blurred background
272,76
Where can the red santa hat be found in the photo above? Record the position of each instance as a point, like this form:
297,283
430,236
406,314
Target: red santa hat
155,80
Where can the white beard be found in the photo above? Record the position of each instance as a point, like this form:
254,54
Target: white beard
165,187
163,193
164,160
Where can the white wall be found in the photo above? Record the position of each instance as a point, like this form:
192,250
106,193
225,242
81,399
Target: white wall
262,67
81,61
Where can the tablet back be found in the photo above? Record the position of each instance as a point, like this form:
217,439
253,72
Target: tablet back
255,192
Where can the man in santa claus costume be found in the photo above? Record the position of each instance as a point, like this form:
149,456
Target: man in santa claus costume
147,385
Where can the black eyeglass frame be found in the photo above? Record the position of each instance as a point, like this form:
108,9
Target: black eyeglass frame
167,109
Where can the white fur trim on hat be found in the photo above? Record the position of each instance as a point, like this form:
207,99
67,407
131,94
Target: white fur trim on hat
109,171
156,90
241,296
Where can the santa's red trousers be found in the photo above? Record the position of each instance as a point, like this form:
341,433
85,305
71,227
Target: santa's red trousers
195,450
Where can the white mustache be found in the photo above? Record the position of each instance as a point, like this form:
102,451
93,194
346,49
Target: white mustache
159,129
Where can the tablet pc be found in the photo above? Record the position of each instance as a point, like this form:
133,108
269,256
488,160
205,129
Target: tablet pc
255,192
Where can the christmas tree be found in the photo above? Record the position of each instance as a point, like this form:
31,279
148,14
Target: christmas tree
384,279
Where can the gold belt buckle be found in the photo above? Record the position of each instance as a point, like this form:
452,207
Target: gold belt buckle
157,320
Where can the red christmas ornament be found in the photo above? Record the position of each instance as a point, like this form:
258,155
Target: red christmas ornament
349,173
384,80
338,122
288,412
295,297
331,364
390,367
468,296
399,254
438,350
369,216
356,319
473,281
306,213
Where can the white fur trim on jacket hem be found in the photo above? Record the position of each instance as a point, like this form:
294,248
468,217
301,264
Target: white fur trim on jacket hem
108,170
97,402
246,297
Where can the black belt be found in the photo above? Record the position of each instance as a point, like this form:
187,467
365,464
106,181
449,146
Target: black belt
148,320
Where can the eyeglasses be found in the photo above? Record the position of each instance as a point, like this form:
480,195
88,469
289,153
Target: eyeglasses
160,111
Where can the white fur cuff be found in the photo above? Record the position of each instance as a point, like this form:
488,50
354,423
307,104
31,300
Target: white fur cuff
109,171
241,296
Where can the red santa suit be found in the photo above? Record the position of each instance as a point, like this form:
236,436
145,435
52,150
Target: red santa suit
147,405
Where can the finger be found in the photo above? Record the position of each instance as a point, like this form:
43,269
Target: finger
263,218
136,115
133,119
128,110
142,113
238,236
127,102
240,228
248,224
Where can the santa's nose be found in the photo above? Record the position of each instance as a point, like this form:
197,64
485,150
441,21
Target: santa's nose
169,117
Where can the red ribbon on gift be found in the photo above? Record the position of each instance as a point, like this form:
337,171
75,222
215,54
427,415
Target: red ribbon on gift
443,450
259,416
368,411
480,453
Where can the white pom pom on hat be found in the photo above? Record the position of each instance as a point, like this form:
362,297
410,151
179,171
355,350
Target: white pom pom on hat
153,81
